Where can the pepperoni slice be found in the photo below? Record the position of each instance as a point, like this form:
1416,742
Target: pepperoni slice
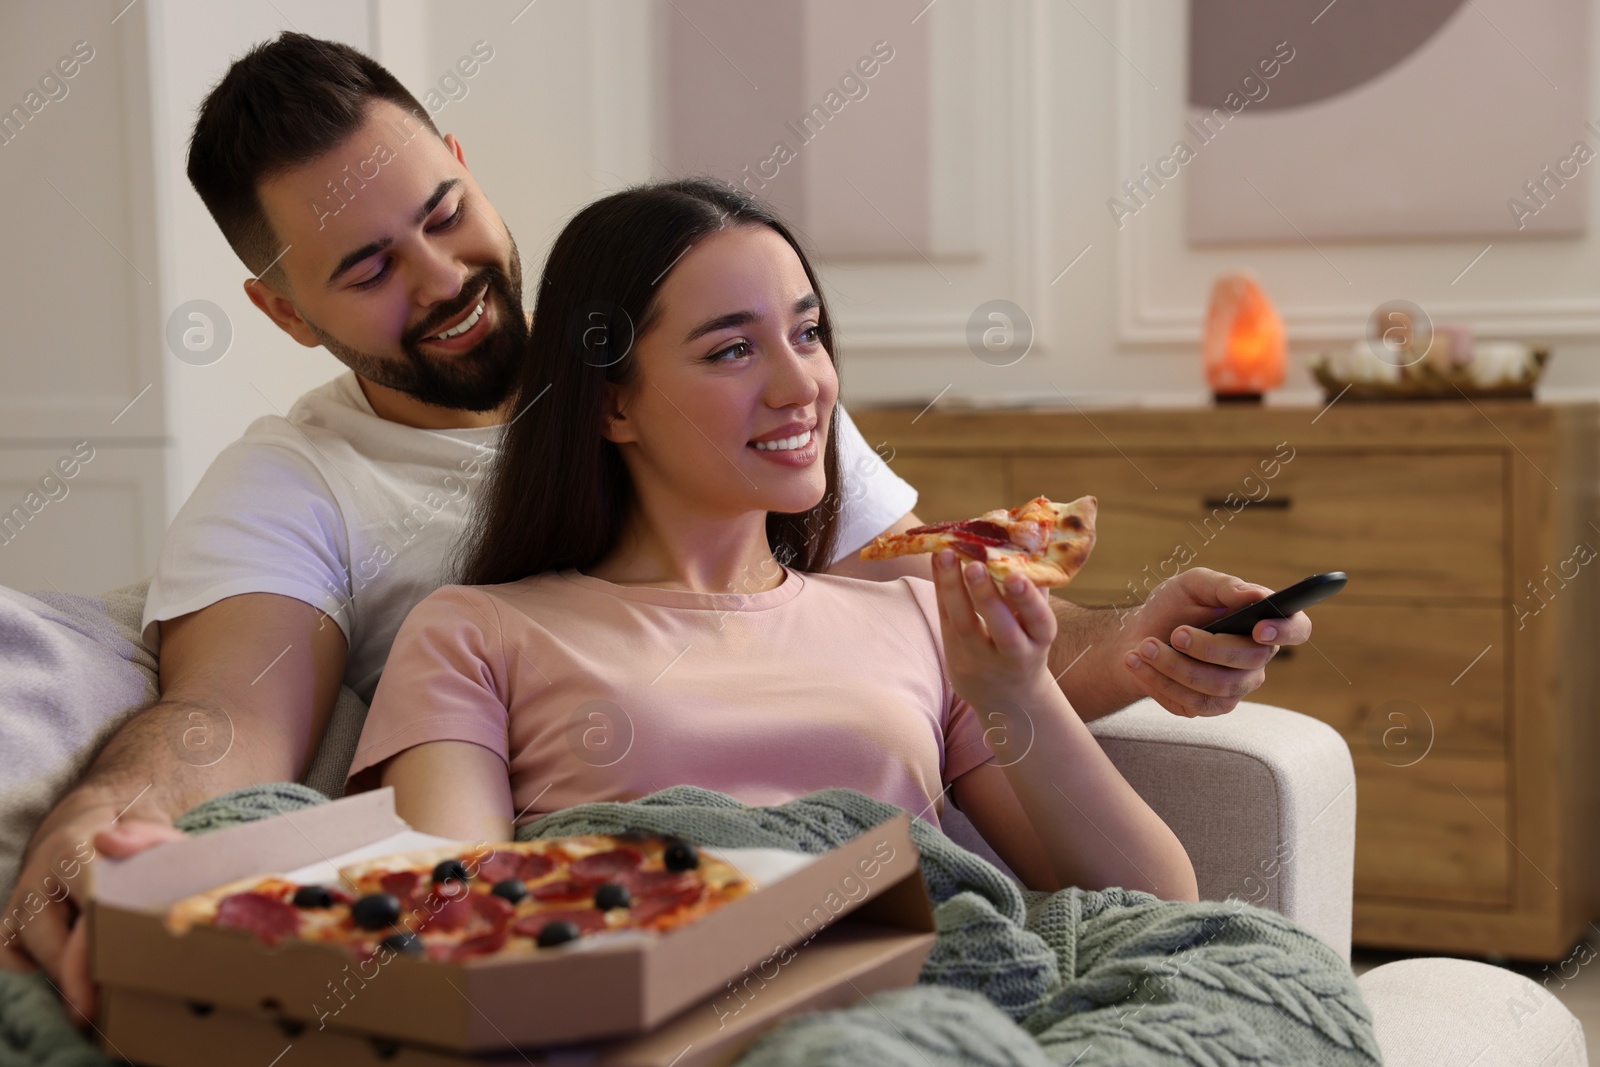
606,866
535,866
656,883
481,945
587,920
659,893
500,866
983,528
970,548
448,918
268,918
664,903
563,889
496,911
503,865
403,885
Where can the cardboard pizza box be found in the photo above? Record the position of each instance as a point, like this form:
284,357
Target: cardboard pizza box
844,963
600,987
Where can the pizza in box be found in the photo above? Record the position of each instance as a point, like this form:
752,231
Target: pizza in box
452,904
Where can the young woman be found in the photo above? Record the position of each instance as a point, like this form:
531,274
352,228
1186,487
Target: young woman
646,605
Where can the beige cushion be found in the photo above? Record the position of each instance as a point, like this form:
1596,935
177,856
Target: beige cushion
1441,1012
73,669
1262,798
69,676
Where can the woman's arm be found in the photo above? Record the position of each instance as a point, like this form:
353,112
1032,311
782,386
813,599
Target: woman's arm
1093,829
438,728
453,789
985,797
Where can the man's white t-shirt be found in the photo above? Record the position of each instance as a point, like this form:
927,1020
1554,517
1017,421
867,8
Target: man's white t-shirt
360,517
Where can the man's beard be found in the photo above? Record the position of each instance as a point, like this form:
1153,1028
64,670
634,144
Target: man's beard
480,379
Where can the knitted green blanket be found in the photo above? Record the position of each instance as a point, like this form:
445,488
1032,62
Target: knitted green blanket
1076,978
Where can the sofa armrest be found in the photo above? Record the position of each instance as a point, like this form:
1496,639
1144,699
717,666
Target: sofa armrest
1262,798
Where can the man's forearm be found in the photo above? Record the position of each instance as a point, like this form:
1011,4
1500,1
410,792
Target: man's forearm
173,755
1086,659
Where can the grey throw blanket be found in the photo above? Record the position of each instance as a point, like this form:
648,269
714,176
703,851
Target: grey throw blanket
1075,977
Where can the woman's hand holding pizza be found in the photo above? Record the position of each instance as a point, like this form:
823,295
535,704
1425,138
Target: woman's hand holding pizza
996,645
1157,650
1085,825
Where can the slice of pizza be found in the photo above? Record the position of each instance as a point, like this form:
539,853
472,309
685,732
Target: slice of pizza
454,903
1045,542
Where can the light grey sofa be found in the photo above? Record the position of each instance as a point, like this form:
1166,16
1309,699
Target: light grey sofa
1262,798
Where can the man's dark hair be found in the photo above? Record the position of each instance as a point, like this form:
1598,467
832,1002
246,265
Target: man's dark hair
281,105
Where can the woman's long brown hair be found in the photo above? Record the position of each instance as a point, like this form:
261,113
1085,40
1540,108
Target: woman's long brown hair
559,495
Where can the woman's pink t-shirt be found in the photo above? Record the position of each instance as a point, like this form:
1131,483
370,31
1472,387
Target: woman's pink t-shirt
591,690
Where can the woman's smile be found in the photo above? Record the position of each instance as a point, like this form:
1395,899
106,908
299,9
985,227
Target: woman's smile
789,447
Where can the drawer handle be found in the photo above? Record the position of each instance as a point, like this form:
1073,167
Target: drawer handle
1278,503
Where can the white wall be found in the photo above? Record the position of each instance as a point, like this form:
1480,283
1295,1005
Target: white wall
560,114
1048,103
79,364
1535,289
191,43
1123,325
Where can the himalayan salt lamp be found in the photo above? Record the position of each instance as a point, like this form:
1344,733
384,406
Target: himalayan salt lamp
1244,343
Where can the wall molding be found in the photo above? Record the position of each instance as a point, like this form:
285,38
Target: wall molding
1013,202
900,306
1144,322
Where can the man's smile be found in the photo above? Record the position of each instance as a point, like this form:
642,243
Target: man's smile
462,325
469,328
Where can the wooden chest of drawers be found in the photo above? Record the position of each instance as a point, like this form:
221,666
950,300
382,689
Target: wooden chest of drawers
1460,662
